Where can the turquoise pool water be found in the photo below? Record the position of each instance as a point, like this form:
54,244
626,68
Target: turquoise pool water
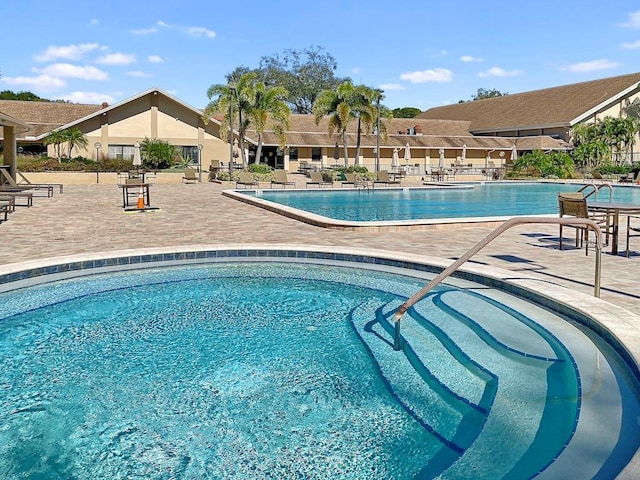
286,370
483,200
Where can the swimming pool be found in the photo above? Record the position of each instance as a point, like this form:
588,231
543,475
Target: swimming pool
493,200
250,363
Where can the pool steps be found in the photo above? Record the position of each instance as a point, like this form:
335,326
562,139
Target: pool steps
426,343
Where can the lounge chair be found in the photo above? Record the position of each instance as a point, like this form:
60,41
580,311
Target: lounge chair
246,180
189,176
280,178
27,196
25,181
4,211
8,184
349,179
383,177
574,204
316,179
9,201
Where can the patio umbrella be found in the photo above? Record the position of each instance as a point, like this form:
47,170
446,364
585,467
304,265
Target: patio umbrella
441,159
514,152
137,161
407,153
394,159
464,152
336,152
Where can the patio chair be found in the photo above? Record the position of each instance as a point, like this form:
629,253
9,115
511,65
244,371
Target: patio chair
574,204
26,196
8,184
9,201
280,178
349,179
189,176
316,179
246,180
25,181
384,178
628,178
632,230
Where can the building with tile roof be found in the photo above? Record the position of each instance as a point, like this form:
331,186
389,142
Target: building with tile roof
475,135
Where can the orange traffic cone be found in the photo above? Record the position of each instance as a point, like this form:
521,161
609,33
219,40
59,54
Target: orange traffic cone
141,198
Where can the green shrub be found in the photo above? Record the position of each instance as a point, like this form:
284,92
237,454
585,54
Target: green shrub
259,168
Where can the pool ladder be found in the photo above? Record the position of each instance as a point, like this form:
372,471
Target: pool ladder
397,316
596,189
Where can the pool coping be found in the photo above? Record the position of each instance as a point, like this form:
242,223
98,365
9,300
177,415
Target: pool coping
369,226
618,326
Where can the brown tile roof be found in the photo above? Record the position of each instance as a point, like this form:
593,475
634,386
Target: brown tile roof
557,106
45,116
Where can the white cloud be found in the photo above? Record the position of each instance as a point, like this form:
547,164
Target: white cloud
499,72
138,73
469,59
355,70
94,21
66,70
634,20
144,31
154,59
201,32
591,66
41,82
67,52
88,97
391,86
631,45
160,23
433,75
117,59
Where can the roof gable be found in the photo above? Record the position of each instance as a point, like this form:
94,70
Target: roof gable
549,107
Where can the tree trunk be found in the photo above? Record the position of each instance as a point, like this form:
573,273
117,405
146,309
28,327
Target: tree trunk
259,149
357,160
346,150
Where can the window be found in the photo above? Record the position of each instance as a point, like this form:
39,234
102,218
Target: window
293,153
189,153
316,154
121,152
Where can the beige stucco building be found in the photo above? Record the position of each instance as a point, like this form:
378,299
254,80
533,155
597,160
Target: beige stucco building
477,134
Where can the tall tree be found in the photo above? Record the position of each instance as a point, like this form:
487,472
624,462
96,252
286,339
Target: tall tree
268,104
75,138
56,138
406,112
303,73
254,103
344,104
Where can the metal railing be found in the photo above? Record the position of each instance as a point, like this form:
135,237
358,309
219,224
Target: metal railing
596,189
397,316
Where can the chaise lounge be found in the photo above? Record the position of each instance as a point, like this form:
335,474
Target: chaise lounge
315,178
384,178
280,178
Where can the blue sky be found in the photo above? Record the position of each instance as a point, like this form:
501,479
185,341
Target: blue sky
421,53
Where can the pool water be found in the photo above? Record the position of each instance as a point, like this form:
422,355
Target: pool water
278,370
483,200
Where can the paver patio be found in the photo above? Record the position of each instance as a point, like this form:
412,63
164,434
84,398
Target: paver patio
89,218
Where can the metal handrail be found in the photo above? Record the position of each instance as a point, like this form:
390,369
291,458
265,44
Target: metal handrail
596,189
397,316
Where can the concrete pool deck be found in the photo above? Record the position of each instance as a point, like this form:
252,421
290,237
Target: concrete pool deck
88,218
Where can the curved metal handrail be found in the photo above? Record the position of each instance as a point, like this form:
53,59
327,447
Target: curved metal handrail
596,189
397,316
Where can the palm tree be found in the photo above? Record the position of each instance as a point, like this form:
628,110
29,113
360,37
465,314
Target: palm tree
235,97
56,138
74,137
157,153
365,110
346,103
269,103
